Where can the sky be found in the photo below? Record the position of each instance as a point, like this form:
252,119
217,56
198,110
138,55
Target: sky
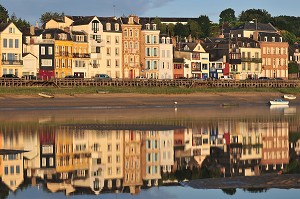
31,10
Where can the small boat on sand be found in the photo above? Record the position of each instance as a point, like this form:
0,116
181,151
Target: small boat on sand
279,102
288,96
46,95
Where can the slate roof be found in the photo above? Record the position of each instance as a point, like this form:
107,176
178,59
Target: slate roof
84,20
260,27
112,21
262,35
168,19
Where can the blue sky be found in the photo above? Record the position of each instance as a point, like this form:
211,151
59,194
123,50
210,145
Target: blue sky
31,10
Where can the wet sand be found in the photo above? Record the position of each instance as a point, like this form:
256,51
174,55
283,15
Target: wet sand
103,107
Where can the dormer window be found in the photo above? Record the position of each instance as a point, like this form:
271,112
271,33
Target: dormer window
147,26
117,27
273,39
163,40
108,26
280,39
154,26
266,39
168,40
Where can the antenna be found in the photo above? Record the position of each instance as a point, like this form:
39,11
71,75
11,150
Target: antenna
114,6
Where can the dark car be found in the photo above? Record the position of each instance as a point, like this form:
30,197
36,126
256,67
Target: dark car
102,77
29,77
278,79
11,76
263,78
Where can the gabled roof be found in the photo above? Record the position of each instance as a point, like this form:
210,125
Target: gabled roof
168,19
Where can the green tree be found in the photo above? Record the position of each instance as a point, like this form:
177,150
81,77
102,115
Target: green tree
181,30
194,28
160,26
293,68
170,29
3,14
205,26
47,16
227,16
20,23
260,15
289,37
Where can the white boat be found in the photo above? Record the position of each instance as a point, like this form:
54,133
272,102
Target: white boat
290,97
46,95
279,102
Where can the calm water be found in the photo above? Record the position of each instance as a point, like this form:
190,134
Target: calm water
145,152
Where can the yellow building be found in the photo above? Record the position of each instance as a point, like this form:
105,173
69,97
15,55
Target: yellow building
81,57
10,49
131,29
63,53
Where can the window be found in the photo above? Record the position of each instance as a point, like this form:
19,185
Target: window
117,51
4,43
12,170
108,26
16,43
117,27
43,50
117,39
95,26
6,170
11,43
266,39
17,169
50,50
108,39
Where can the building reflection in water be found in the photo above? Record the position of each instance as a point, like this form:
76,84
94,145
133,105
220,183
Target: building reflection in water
90,161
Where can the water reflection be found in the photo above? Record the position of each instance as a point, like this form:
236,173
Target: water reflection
102,158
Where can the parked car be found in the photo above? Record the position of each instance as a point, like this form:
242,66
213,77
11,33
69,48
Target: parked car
263,78
278,79
11,76
140,77
103,77
71,77
225,77
29,77
181,78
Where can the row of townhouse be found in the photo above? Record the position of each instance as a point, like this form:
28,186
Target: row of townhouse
127,47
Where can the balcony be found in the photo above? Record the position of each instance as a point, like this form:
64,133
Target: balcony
81,55
255,60
12,62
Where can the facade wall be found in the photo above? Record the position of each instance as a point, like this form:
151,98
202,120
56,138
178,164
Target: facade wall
274,59
11,51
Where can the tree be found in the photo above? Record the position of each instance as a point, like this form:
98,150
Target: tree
293,68
205,26
289,37
194,28
229,191
181,30
260,15
3,14
47,16
227,16
160,26
20,23
170,29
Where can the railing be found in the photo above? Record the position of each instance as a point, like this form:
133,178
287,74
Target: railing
188,83
255,60
12,62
